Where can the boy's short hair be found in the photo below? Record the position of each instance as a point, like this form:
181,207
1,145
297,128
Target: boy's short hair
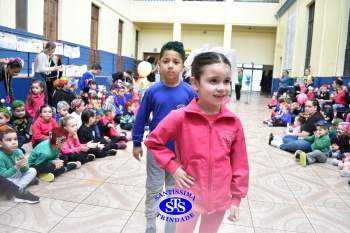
323,124
96,67
62,104
112,87
173,45
16,104
7,113
129,72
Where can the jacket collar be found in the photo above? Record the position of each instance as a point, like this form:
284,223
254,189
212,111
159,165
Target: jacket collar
193,107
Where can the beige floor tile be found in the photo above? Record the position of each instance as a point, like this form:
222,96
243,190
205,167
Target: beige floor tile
9,229
245,217
132,172
89,218
6,204
325,219
263,230
124,197
277,216
70,189
137,224
228,228
41,217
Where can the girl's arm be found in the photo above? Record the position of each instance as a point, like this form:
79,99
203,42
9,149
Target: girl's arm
239,166
29,109
70,148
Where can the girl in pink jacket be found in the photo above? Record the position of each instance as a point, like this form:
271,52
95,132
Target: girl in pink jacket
211,161
36,97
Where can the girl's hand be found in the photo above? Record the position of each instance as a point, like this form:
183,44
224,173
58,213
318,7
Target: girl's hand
58,163
234,213
107,138
182,178
100,146
20,162
84,148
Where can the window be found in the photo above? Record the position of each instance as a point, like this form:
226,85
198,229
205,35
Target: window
21,15
94,58
120,37
50,19
347,53
309,34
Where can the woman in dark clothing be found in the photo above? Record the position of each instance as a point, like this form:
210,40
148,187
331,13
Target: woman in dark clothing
8,69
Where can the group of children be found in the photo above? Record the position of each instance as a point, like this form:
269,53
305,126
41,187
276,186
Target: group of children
328,140
85,134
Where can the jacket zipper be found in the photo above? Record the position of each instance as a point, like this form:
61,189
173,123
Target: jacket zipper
210,167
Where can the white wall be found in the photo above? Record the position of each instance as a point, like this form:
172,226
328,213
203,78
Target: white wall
35,16
7,13
153,38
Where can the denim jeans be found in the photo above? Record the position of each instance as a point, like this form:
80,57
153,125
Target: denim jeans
292,144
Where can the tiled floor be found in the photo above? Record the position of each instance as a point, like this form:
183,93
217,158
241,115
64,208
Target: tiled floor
107,195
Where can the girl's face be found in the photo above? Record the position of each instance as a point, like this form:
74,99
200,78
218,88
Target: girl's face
111,114
310,108
307,72
63,111
9,143
104,91
36,88
131,108
302,85
171,65
93,86
92,101
3,119
19,112
72,127
296,122
214,86
80,109
309,81
340,131
285,110
46,114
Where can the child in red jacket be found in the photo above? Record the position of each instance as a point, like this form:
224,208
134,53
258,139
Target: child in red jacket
212,164
36,97
43,124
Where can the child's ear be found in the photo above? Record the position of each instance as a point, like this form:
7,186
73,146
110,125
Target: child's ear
194,83
8,119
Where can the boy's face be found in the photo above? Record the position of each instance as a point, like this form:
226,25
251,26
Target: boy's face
9,142
171,65
97,119
120,92
131,108
19,112
74,87
321,131
114,91
111,114
66,87
63,111
340,131
3,119
95,71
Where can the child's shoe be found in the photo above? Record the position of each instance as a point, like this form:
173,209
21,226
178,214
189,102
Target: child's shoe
303,159
48,177
335,162
270,124
270,138
111,152
27,197
341,165
121,146
35,181
297,154
344,173
91,157
276,143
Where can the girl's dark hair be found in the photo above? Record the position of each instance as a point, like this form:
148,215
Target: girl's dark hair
40,109
151,59
42,85
14,63
96,67
173,45
204,59
86,115
315,103
90,82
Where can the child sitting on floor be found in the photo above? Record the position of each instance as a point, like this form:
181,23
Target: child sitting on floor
62,110
78,106
45,156
273,103
13,165
336,139
282,119
320,145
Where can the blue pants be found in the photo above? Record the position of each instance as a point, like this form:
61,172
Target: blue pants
292,144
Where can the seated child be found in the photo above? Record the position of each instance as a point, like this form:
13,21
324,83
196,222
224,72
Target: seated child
344,145
119,100
13,165
43,124
21,123
45,156
282,119
345,171
64,93
336,139
21,195
128,91
276,111
73,150
127,120
273,103
78,106
296,128
320,145
73,82
87,133
295,110
339,99
92,101
102,91
92,86
311,94
324,96
62,110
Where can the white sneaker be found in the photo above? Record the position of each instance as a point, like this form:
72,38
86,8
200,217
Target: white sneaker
335,162
344,173
276,143
341,165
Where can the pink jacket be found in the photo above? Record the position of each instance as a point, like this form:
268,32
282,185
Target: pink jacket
72,146
215,155
111,131
42,128
38,101
340,98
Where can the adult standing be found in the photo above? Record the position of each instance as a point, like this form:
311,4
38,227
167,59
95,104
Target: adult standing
238,86
293,143
54,75
9,68
123,76
284,81
42,66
